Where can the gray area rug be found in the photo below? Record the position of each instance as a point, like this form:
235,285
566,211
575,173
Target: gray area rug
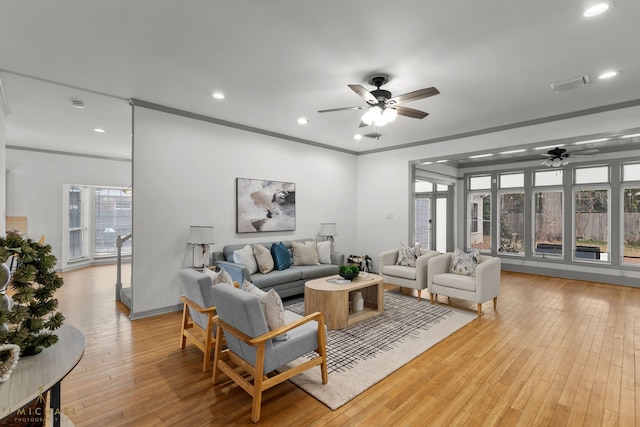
363,354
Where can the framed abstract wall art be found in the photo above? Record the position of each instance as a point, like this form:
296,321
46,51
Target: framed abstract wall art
264,205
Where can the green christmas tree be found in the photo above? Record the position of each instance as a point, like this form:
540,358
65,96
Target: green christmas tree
32,320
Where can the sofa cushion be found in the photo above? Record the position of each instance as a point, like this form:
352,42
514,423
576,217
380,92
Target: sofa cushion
263,258
324,252
315,271
305,253
281,256
456,281
276,277
407,255
465,263
245,257
400,271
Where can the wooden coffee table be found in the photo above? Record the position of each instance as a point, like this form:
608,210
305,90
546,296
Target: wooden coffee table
332,299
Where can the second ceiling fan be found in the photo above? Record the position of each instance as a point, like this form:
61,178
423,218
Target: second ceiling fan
382,107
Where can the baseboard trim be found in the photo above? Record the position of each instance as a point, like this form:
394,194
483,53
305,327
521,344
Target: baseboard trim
585,276
155,312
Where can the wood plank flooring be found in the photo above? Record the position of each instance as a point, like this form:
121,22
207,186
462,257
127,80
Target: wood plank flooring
557,352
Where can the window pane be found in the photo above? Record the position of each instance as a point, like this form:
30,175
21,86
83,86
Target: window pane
113,218
511,223
545,178
592,175
592,224
480,183
76,236
423,187
548,223
512,180
441,223
442,187
75,207
631,224
480,221
631,172
423,223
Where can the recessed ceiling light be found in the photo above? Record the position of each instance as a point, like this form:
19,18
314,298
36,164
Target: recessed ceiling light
302,121
590,141
441,161
426,163
608,75
632,135
218,95
99,130
597,9
478,156
521,150
75,103
357,137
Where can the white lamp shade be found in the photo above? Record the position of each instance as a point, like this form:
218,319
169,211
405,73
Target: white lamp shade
328,229
200,235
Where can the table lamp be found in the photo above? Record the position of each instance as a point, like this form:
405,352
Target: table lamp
201,235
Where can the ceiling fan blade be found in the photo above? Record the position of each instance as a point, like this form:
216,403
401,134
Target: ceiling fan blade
414,96
410,112
365,94
342,109
362,124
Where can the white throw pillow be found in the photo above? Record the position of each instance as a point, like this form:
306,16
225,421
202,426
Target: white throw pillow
218,277
305,253
245,257
465,263
263,258
324,252
407,255
272,307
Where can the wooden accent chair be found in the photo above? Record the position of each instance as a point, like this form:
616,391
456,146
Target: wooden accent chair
253,349
198,313
481,287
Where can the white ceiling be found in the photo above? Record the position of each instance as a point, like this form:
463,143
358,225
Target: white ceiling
492,60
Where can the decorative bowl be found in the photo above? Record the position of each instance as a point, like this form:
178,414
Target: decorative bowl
349,275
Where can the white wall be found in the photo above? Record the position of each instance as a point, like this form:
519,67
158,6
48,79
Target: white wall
34,188
185,174
384,185
3,178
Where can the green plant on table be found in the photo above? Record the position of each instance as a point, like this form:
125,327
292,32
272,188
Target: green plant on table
349,269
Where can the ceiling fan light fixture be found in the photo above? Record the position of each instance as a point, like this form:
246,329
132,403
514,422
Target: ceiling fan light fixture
556,163
597,9
547,162
390,114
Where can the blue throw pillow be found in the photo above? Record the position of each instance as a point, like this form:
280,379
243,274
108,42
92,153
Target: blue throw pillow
281,257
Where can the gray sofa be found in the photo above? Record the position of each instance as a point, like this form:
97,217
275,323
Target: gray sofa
286,282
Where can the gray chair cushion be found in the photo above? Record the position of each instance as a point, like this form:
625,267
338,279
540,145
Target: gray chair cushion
275,277
400,271
196,286
456,281
315,271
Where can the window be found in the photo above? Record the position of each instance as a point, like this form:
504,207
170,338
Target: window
97,215
548,221
112,218
423,221
631,172
546,178
631,225
479,215
512,180
512,222
77,247
591,224
592,175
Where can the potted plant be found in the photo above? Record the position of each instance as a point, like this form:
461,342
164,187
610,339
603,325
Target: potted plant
30,321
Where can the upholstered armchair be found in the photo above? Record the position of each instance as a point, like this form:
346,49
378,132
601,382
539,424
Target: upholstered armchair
258,351
481,287
405,276
198,313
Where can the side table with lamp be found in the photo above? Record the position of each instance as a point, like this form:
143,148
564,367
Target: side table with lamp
200,235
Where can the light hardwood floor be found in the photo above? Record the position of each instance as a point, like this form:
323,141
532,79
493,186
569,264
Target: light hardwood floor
557,352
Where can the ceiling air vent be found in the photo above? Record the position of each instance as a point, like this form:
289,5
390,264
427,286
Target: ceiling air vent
571,84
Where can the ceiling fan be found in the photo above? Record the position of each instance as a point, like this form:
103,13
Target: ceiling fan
381,107
559,156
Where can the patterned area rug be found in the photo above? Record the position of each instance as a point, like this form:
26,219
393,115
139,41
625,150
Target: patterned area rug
365,353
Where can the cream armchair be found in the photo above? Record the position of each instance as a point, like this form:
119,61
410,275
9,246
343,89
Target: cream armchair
403,276
482,287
